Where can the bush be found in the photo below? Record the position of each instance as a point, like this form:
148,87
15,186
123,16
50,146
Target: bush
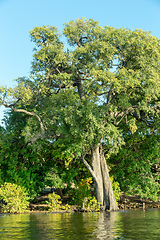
14,198
54,202
82,192
91,205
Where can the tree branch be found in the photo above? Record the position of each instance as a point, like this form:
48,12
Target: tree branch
90,169
39,135
80,86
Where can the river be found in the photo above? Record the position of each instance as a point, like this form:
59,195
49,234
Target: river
132,225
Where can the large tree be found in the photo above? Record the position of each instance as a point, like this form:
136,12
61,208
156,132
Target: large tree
84,93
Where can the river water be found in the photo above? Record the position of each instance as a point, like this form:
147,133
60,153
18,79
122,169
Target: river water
133,225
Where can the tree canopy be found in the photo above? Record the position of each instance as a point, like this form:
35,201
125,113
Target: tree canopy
90,93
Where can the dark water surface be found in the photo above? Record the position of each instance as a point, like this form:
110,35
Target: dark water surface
135,224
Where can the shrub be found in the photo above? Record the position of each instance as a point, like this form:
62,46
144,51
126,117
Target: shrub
54,202
66,207
91,204
14,198
82,192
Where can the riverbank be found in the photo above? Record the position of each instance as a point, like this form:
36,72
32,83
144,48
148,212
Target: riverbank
125,202
134,201
42,204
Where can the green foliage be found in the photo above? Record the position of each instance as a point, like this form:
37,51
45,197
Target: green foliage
136,167
52,179
81,192
81,196
14,198
66,207
70,173
91,205
104,86
20,164
116,188
54,202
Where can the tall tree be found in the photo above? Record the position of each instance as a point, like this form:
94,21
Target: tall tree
81,95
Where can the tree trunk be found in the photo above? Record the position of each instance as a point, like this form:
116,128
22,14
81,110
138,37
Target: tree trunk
102,180
96,165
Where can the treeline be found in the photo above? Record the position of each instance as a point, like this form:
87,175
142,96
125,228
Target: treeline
135,168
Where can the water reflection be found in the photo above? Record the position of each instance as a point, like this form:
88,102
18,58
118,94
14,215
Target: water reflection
141,224
116,225
106,227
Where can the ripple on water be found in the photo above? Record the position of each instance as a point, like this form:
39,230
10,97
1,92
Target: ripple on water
135,224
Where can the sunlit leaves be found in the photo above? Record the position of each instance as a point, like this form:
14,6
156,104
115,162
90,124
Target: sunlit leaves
44,35
132,125
82,30
105,84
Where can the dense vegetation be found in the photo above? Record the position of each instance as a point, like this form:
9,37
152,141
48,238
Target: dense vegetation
89,109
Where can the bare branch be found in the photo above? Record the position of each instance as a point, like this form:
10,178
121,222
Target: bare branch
36,137
90,169
28,113
121,115
78,83
31,114
116,65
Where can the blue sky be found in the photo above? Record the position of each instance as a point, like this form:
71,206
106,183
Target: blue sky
18,17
